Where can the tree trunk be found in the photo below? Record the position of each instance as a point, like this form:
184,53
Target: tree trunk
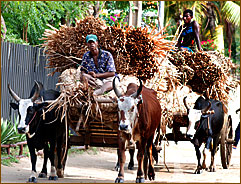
136,16
4,27
25,33
130,13
97,8
229,34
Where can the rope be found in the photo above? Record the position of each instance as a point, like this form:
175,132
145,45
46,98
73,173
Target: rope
164,138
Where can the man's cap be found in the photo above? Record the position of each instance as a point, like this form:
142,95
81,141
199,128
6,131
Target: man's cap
91,37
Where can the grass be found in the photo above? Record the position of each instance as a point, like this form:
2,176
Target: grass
8,162
80,150
13,153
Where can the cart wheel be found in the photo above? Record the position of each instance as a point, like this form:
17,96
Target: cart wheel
226,143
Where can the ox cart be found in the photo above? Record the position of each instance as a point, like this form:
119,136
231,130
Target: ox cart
225,141
103,132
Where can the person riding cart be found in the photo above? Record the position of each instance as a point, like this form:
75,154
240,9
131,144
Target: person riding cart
98,66
189,33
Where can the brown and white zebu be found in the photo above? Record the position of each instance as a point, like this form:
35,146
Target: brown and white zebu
139,117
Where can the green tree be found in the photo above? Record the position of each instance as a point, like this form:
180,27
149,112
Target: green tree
26,20
211,16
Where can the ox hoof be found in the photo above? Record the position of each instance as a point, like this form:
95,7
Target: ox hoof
42,175
212,169
130,166
140,180
60,173
117,167
32,180
151,176
198,170
119,180
53,178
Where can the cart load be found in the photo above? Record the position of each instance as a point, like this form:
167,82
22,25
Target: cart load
137,53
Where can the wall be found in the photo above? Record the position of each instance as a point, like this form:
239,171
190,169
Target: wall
20,66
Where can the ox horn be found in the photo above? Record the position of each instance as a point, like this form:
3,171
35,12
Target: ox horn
117,92
207,108
13,94
36,93
136,94
185,103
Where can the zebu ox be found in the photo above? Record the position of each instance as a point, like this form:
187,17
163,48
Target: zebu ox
139,117
41,129
206,121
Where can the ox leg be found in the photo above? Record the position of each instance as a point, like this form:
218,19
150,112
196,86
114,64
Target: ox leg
204,158
53,175
33,157
140,158
60,152
212,166
131,163
151,172
198,154
121,160
43,173
117,166
145,163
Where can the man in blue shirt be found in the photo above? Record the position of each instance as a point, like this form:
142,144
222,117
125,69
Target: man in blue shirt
98,66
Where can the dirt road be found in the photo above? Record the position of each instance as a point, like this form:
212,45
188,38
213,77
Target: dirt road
98,167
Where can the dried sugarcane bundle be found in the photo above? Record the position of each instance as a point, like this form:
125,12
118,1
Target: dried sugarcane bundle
75,92
113,40
207,73
134,50
144,49
65,47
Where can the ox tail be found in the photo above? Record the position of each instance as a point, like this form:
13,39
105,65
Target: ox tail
66,139
154,152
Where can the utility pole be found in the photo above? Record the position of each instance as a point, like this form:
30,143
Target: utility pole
161,15
135,16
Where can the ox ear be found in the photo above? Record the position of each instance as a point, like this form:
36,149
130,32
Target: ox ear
14,106
138,100
138,92
40,106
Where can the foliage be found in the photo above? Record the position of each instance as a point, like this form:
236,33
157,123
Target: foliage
231,12
14,153
78,150
9,133
115,13
7,162
27,20
208,45
150,12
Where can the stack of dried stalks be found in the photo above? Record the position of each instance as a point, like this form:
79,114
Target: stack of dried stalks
138,53
66,46
206,73
144,48
135,51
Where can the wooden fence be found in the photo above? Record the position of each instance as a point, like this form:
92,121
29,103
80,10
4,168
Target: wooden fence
20,66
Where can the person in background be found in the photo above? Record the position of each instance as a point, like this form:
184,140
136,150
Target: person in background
98,66
237,133
189,33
